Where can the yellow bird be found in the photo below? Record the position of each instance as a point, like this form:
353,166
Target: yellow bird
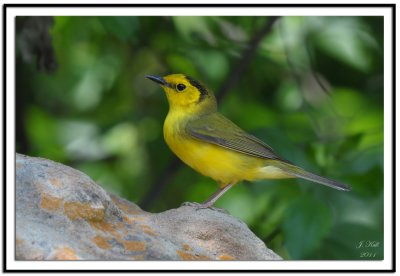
214,146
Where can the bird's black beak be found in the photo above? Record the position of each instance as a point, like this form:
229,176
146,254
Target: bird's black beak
157,79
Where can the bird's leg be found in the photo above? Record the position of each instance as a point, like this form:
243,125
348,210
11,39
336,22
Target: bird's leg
211,200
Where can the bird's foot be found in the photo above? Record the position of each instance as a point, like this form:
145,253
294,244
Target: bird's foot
199,206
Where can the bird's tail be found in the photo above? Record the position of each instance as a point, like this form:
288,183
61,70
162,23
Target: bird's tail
299,172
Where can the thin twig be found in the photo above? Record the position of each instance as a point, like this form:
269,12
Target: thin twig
313,71
272,235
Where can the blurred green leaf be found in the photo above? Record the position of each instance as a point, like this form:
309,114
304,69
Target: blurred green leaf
307,222
369,183
353,242
192,27
215,63
42,131
123,27
346,39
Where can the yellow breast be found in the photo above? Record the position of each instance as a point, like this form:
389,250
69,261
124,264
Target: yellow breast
221,164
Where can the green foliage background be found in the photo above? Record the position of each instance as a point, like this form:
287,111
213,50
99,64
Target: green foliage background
313,90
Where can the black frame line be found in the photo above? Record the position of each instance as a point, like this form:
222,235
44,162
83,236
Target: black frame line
85,5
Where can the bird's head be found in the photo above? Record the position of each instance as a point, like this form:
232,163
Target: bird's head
185,92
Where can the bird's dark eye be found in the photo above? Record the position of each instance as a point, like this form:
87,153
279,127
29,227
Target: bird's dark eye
180,87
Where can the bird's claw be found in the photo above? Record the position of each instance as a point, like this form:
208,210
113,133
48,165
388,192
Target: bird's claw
199,206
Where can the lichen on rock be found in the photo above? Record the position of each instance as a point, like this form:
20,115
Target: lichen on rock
62,214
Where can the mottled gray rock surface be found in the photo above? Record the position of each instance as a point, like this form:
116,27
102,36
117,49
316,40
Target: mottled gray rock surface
61,214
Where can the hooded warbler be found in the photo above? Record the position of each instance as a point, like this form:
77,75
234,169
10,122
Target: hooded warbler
216,147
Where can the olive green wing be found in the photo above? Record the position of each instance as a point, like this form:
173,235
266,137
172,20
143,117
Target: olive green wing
217,129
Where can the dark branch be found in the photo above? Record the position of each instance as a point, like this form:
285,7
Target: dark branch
246,58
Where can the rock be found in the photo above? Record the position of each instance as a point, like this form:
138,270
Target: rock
61,214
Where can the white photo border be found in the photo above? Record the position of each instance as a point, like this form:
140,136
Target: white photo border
10,11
